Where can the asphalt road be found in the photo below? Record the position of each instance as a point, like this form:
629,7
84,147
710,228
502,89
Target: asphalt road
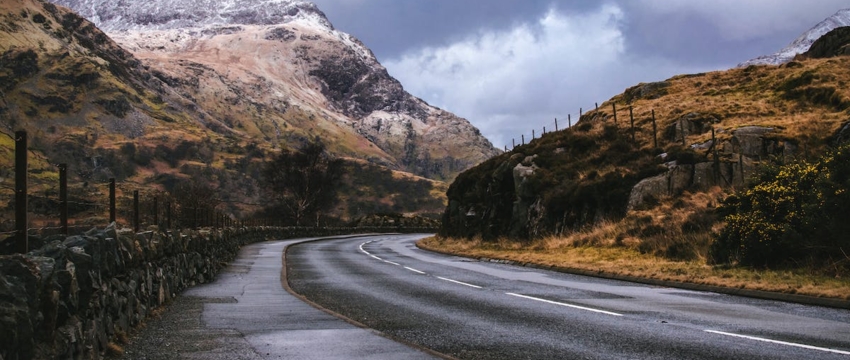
247,314
481,310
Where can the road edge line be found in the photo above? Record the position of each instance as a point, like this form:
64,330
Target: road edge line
284,281
755,294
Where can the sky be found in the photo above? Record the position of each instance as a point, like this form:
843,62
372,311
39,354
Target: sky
513,66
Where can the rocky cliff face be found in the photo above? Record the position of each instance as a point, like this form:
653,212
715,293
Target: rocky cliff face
278,71
804,42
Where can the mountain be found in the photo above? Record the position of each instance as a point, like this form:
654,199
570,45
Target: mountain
213,117
252,65
804,42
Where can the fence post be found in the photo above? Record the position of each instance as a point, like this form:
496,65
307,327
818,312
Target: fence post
532,134
580,113
156,211
569,121
21,191
716,159
654,130
741,166
168,216
556,124
597,106
523,139
614,106
63,198
513,143
136,210
632,121
111,200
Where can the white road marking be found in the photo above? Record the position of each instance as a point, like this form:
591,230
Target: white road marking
567,305
414,270
459,282
780,342
390,262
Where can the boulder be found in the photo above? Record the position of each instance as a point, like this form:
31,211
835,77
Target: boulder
649,188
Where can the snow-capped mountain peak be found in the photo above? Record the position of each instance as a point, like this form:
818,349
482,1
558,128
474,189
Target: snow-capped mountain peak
126,15
804,42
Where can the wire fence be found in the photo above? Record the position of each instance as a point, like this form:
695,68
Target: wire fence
565,124
73,211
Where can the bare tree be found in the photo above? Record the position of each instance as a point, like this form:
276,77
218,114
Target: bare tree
303,183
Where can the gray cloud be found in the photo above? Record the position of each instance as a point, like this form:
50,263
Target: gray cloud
511,66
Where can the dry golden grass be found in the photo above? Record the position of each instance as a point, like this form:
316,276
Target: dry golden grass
745,97
628,261
114,350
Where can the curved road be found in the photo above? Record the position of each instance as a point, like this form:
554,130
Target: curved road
476,310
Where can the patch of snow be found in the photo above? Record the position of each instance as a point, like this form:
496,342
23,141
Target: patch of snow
804,42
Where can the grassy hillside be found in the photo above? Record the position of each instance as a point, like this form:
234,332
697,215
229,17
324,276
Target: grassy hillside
714,131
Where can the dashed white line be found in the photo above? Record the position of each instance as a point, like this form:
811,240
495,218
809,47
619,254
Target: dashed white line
780,342
567,305
414,270
391,263
459,282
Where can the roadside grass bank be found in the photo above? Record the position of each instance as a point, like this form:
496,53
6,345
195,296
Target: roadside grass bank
623,261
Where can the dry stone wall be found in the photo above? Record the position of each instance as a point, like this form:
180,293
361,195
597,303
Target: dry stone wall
70,298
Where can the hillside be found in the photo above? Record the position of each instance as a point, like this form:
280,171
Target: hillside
597,185
88,102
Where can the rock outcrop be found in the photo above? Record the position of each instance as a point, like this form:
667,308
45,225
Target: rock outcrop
740,155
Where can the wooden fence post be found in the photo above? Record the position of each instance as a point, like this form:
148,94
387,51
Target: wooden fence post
532,134
614,106
632,121
741,166
523,139
556,124
111,200
63,198
716,158
136,224
21,191
569,122
168,215
156,211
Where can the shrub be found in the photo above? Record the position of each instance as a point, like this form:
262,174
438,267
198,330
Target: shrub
791,214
